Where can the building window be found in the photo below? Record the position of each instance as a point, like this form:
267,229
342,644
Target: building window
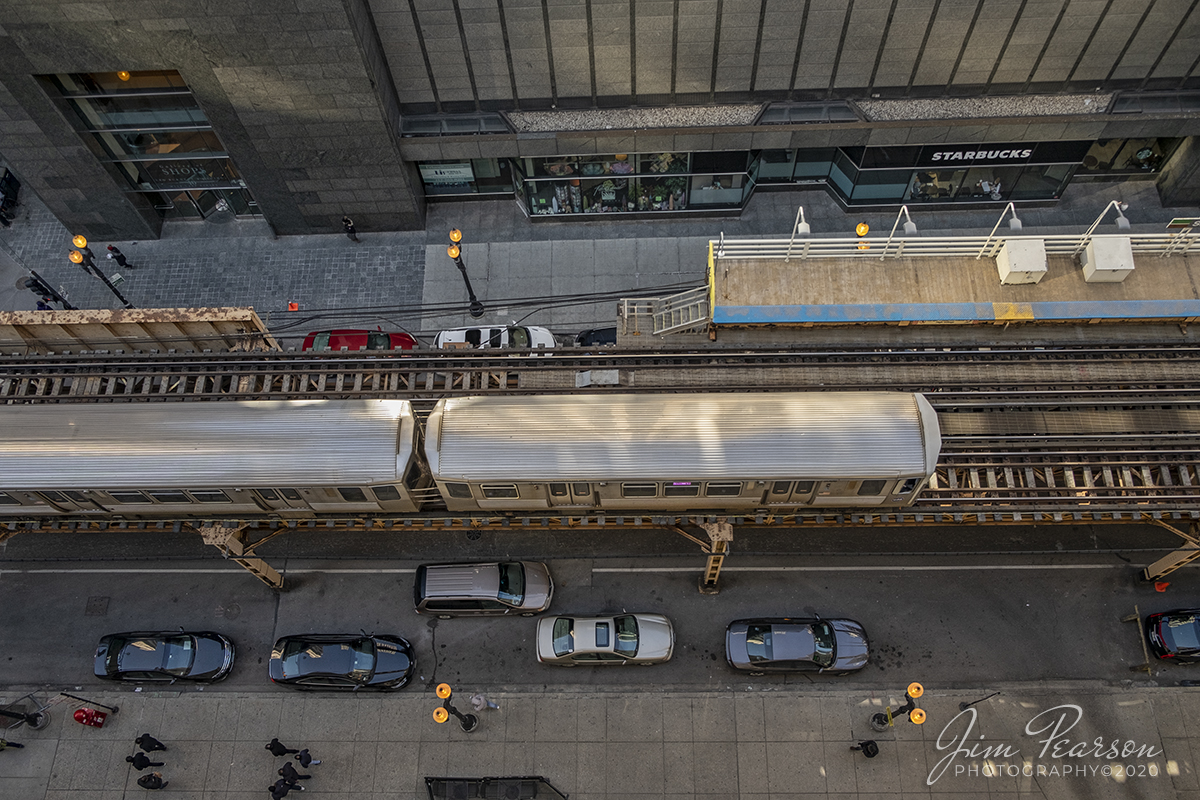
1127,156
470,176
151,129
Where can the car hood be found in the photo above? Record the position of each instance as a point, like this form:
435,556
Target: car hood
540,337
656,638
852,646
539,588
393,664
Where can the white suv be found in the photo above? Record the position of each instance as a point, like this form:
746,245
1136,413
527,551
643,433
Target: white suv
508,336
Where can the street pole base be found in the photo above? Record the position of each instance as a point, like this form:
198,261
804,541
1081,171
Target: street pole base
708,588
469,722
43,719
879,722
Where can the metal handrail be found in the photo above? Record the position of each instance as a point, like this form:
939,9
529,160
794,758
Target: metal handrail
1065,244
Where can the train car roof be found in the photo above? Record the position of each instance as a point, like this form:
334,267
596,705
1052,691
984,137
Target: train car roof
630,437
205,444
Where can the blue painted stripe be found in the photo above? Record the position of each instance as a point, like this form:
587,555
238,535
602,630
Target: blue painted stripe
956,312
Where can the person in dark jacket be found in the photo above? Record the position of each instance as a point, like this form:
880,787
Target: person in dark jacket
149,743
289,774
348,227
305,759
140,761
277,748
152,781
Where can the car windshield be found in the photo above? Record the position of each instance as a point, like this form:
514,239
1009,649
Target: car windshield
1184,632
172,655
321,341
378,341
627,635
758,642
564,636
823,644
512,583
354,658
518,337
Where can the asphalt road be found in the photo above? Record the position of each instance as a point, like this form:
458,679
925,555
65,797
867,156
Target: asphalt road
962,619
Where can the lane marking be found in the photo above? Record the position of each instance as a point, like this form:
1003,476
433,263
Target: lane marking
864,569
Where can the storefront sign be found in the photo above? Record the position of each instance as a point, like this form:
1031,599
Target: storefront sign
1001,154
447,174
1183,223
172,174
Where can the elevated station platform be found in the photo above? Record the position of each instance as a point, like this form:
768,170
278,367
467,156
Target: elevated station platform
959,281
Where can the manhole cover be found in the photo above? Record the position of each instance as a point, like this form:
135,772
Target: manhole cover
231,611
474,536
96,607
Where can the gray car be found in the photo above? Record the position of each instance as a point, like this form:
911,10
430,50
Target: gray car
642,639
791,644
488,589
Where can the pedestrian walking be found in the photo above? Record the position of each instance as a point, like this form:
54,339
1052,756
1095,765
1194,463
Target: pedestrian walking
277,748
348,227
42,305
289,774
152,781
140,761
281,787
305,759
149,743
4,221
119,257
4,743
868,747
479,702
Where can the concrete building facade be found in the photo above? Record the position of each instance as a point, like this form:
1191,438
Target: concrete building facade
124,115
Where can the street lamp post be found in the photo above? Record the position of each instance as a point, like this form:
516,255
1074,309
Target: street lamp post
885,719
455,252
468,722
42,288
89,266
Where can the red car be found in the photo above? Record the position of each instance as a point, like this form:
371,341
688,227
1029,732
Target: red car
358,340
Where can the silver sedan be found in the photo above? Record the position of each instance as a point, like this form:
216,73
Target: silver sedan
796,645
643,639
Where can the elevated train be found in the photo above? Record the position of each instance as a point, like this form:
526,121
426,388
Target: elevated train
681,453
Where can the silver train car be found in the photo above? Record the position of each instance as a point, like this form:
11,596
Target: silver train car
682,452
291,459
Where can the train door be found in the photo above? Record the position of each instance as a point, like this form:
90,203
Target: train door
790,493
69,502
287,503
572,494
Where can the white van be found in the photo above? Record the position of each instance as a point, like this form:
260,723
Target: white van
508,336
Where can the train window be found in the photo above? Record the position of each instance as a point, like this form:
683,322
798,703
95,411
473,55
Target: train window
53,497
270,495
78,497
291,494
352,495
170,496
498,490
639,490
129,497
558,490
386,493
581,489
871,488
680,489
8,500
462,491
781,487
908,486
209,496
723,489
804,487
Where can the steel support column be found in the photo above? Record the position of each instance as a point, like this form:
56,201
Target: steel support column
230,539
1179,558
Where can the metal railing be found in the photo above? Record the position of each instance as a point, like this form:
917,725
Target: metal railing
1160,244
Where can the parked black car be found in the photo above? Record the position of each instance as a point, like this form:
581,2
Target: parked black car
593,337
786,644
1175,635
202,656
342,661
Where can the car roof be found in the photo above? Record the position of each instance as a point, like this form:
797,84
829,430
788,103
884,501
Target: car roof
462,580
334,658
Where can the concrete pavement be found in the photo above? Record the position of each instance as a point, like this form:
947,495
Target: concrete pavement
748,744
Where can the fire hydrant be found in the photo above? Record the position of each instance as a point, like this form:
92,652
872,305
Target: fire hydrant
91,717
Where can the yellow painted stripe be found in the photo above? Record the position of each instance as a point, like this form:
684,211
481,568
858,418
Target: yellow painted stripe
1012,311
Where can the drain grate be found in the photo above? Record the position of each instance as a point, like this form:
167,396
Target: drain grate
96,607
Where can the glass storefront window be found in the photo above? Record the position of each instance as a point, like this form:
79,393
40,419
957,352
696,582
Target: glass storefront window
989,183
664,163
1127,155
157,136
935,185
776,166
474,176
881,184
812,164
1042,182
718,191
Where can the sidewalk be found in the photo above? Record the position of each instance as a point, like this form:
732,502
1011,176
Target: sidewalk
387,278
755,744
